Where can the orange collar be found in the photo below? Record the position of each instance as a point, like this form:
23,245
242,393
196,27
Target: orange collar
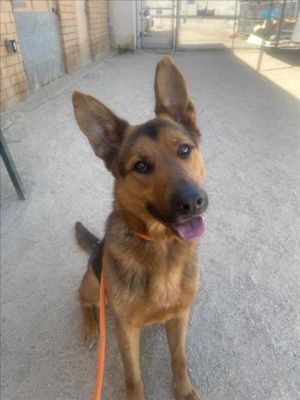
143,236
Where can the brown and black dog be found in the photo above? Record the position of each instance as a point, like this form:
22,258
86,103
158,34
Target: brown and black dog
149,252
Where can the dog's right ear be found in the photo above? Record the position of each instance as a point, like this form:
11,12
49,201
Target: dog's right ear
172,96
102,127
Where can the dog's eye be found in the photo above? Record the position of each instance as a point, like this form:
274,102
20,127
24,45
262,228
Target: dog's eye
141,167
184,150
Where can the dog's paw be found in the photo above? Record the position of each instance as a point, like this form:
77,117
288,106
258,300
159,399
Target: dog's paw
192,395
135,391
90,334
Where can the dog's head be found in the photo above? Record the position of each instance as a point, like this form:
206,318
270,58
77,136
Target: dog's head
157,165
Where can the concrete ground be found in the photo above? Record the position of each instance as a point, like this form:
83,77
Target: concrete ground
244,328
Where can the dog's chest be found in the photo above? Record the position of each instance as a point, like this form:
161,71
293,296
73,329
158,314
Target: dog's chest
169,292
153,288
165,289
166,298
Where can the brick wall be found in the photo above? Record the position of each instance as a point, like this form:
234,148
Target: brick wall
13,78
98,30
98,26
32,5
69,34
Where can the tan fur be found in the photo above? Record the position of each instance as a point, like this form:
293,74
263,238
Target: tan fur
147,282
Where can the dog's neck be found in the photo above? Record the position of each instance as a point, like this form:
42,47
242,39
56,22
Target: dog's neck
143,226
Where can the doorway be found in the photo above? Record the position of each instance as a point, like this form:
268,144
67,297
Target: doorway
156,24
41,47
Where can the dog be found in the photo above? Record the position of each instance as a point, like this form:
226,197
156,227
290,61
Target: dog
149,251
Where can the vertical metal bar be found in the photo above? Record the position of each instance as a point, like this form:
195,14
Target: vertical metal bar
261,52
280,24
173,26
177,22
136,26
138,45
296,9
141,26
11,168
260,56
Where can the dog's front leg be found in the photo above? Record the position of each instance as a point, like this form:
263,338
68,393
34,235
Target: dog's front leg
176,332
129,344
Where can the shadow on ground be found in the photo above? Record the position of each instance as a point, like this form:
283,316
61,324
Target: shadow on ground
288,56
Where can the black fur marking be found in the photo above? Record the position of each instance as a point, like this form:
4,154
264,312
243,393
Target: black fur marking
85,238
125,278
95,259
188,274
121,168
165,218
149,129
189,271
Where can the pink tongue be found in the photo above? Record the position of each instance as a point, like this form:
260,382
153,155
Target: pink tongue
190,230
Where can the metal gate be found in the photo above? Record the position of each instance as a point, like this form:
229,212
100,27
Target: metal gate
156,24
221,24
206,24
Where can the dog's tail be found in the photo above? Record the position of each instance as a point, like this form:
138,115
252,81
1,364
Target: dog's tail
86,240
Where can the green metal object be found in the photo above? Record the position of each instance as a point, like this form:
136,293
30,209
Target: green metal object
11,168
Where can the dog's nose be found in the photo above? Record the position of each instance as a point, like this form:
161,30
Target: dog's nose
190,200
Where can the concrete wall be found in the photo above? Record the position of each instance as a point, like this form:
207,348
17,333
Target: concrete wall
123,24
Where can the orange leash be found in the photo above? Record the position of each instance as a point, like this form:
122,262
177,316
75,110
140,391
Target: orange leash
143,236
101,343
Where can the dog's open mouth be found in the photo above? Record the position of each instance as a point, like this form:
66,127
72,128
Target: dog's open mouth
191,229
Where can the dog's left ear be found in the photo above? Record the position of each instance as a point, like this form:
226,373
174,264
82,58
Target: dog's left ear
172,96
102,127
